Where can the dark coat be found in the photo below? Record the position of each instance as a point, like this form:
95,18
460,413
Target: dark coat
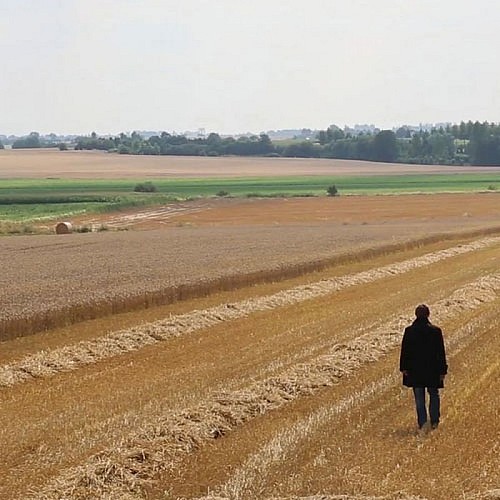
423,355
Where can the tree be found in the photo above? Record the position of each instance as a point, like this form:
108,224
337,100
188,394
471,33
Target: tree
486,151
1,145
213,139
334,133
322,137
30,141
385,146
403,133
303,149
442,146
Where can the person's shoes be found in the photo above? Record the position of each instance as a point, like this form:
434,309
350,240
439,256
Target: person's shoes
423,429
434,425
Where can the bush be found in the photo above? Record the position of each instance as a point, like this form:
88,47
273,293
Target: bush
145,187
63,146
332,190
222,193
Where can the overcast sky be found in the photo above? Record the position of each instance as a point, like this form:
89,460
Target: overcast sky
74,66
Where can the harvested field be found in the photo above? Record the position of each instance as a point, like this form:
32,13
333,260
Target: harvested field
274,240
279,390
451,209
72,357
43,163
249,349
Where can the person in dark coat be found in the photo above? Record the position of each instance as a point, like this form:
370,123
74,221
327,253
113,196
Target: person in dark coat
423,364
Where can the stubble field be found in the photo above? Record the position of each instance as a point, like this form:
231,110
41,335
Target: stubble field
50,163
248,349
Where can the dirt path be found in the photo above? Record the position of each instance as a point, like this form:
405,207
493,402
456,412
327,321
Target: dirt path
299,368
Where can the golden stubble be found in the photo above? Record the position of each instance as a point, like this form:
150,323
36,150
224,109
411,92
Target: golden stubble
112,410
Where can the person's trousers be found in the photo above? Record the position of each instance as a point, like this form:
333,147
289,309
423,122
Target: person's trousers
434,414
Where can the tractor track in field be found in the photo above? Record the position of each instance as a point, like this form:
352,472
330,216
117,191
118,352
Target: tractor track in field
72,357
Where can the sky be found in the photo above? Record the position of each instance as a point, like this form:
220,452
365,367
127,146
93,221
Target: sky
234,66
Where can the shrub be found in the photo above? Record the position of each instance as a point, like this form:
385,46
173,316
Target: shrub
145,187
492,187
332,190
222,193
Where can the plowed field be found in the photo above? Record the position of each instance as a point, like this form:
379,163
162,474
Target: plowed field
251,361
41,163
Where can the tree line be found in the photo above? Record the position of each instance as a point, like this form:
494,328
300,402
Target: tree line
465,143
173,144
470,142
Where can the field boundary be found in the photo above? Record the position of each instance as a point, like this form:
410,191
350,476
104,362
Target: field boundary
11,328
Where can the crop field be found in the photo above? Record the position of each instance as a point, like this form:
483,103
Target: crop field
248,348
37,200
287,389
55,281
46,185
50,163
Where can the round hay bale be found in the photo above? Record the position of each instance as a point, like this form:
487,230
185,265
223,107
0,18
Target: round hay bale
64,228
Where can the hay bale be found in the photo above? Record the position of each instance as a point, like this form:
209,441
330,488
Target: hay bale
64,228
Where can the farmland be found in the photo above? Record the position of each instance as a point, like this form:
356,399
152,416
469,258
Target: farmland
44,185
49,163
248,348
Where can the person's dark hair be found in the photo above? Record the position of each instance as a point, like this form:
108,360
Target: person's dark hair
422,311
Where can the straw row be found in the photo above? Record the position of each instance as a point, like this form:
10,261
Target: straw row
133,463
251,475
71,357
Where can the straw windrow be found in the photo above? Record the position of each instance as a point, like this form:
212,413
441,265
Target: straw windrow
68,358
133,463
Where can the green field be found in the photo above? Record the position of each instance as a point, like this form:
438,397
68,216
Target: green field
25,200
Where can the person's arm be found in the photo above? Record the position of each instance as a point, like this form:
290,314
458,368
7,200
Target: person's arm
405,354
443,365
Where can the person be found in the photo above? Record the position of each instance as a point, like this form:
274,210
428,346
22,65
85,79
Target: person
423,364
